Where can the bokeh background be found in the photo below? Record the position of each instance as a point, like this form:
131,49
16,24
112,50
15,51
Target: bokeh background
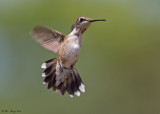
119,61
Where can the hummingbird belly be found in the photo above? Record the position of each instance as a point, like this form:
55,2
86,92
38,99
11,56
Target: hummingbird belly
70,51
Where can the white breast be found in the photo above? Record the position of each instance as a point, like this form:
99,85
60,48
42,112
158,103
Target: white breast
73,47
76,46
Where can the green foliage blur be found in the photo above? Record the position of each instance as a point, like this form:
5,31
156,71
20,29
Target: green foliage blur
119,61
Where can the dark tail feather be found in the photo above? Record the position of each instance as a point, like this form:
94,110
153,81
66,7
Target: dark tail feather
73,84
49,72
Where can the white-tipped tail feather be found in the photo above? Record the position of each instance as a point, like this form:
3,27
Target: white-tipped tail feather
43,75
43,65
77,93
82,88
44,82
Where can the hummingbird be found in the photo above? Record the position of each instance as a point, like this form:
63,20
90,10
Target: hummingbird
60,73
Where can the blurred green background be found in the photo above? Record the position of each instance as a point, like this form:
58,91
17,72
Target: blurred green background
119,61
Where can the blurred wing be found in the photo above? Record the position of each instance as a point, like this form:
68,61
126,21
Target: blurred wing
48,38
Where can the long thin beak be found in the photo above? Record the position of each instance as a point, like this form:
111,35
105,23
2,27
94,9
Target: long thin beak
93,20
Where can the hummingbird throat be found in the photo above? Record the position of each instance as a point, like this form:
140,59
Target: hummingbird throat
83,30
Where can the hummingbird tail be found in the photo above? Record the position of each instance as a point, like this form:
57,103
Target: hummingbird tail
68,80
74,83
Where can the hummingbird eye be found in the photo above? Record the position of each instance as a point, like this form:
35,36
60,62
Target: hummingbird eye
81,19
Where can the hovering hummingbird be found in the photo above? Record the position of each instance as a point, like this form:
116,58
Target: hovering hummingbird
59,72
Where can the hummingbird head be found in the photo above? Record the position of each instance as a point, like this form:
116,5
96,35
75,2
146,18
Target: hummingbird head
83,23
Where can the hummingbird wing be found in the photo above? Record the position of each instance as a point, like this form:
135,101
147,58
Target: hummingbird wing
48,38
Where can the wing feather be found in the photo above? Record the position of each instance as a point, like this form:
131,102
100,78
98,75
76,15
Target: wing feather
48,38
